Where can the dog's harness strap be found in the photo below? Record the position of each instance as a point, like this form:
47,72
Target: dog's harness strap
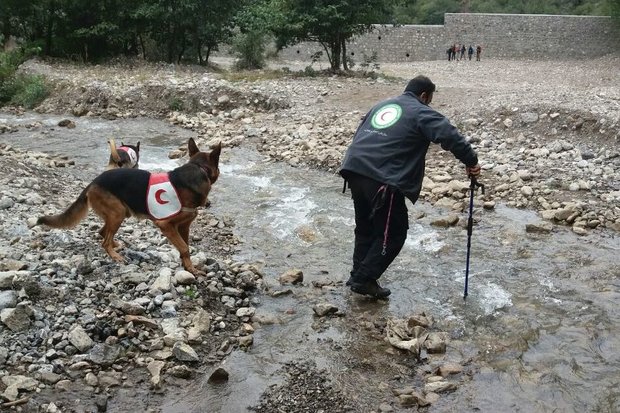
186,209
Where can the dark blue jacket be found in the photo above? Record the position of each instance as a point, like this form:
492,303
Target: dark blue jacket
391,143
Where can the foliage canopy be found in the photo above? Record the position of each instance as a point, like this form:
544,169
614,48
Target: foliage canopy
189,30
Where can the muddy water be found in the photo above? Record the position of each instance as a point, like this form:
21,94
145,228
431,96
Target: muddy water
541,325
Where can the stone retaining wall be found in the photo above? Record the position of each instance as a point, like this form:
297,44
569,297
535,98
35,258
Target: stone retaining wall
500,35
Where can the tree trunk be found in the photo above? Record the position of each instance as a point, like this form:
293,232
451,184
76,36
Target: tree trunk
49,29
6,28
141,40
328,53
207,54
336,55
182,51
345,64
171,42
199,48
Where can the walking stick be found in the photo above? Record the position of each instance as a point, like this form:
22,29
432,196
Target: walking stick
473,186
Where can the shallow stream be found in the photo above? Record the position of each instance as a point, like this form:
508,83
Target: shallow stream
541,323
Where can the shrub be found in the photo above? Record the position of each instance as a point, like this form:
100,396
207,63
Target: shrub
370,62
31,91
20,89
176,104
250,50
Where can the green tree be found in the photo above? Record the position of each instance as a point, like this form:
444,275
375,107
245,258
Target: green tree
329,22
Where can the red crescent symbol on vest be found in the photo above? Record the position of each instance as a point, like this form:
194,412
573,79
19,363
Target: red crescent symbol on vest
382,115
158,195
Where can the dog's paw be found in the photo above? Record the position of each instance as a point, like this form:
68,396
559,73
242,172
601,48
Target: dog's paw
195,271
118,258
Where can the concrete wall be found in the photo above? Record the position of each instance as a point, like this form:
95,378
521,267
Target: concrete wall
500,35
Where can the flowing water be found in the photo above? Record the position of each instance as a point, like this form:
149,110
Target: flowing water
541,323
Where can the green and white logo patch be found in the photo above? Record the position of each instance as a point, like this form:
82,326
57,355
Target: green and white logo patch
386,116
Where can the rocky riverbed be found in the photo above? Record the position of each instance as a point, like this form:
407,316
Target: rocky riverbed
78,325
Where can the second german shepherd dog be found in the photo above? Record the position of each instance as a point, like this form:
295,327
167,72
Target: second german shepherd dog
125,156
168,199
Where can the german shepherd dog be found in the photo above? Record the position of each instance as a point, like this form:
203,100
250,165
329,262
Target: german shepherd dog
168,199
125,156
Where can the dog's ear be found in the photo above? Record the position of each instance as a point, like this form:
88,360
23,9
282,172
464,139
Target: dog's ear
113,153
214,156
138,146
192,148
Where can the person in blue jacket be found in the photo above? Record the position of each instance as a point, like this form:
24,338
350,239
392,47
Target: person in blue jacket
383,165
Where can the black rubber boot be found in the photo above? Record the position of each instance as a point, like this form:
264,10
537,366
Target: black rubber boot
369,287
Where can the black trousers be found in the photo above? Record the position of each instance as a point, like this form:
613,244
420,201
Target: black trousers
381,225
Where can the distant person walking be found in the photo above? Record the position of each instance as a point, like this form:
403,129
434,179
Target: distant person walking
478,52
463,52
470,51
449,52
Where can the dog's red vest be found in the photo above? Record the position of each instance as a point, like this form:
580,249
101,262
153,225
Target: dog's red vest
162,200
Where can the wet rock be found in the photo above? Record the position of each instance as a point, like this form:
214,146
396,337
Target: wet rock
439,386
67,123
155,367
435,343
579,230
406,336
292,276
412,399
449,368
324,309
184,352
419,320
219,375
246,341
445,222
540,227
181,372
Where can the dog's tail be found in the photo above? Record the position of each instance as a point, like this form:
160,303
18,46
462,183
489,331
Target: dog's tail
71,217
